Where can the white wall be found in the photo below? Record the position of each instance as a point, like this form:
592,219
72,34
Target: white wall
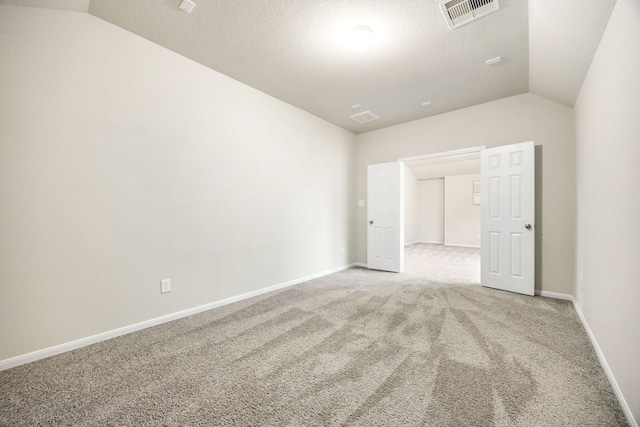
461,216
411,208
608,174
516,119
438,170
123,163
431,208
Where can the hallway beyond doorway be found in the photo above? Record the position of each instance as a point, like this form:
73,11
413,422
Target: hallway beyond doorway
446,264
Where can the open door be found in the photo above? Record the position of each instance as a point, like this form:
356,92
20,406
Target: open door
385,232
508,202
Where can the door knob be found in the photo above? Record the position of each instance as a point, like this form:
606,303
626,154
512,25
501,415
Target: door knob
370,221
527,226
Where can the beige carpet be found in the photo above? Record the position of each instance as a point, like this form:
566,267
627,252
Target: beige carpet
443,264
357,347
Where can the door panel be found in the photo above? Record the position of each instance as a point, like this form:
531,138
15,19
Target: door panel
508,237
385,232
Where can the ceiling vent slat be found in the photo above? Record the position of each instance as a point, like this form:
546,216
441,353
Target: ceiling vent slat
364,117
460,12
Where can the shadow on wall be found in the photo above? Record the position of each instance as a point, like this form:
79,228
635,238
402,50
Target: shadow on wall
538,220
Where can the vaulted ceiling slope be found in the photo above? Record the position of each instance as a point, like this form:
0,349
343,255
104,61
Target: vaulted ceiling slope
563,37
295,50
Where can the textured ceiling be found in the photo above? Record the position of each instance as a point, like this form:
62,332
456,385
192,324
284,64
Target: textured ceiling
563,37
75,5
294,50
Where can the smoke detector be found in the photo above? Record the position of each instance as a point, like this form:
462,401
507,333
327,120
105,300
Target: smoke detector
187,5
460,12
364,117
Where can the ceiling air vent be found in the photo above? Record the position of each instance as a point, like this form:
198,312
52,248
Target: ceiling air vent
364,117
460,12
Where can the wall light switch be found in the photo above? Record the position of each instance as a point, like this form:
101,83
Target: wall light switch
361,203
165,286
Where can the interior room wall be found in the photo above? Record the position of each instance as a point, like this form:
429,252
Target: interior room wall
411,208
123,163
461,216
510,120
431,209
608,174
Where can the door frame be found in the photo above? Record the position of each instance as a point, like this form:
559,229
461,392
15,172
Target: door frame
403,162
391,219
452,153
509,221
443,154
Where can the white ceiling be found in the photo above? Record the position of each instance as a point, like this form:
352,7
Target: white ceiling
294,50
563,36
76,5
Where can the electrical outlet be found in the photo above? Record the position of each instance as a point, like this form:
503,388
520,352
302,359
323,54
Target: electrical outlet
581,284
341,251
165,286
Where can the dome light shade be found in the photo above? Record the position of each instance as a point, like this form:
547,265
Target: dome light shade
361,38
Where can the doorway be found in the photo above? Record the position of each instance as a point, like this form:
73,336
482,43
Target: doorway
507,214
442,217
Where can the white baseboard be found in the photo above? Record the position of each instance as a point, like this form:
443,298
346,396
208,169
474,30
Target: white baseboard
93,339
83,342
463,246
596,346
424,241
555,295
605,367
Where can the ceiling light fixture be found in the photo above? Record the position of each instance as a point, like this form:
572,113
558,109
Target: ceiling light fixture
361,38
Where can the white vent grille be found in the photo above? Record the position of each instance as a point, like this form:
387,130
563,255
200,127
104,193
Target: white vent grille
364,117
460,12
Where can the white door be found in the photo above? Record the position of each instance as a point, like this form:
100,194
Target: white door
508,238
385,221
